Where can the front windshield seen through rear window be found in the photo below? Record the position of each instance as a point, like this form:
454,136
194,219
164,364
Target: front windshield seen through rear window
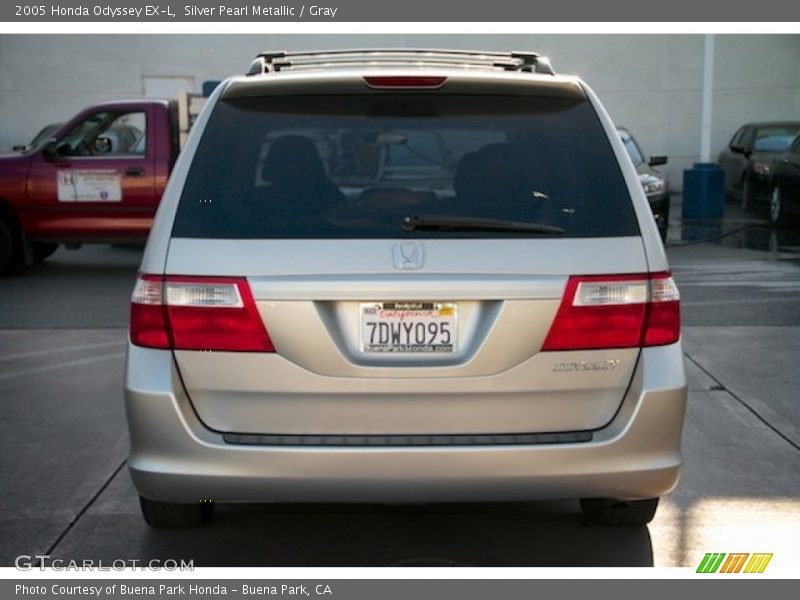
631,148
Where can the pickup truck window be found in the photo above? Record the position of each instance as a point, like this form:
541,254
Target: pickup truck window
108,134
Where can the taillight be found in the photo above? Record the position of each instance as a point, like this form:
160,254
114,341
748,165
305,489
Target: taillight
404,81
664,315
197,313
616,311
148,314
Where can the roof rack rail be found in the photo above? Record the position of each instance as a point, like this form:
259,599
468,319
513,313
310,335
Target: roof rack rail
527,62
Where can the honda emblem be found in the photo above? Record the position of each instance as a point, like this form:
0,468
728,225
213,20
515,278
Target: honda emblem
408,256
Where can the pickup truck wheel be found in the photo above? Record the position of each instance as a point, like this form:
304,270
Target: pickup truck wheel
42,251
619,513
6,247
171,515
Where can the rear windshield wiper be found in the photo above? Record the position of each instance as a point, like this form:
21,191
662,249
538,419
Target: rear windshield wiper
461,223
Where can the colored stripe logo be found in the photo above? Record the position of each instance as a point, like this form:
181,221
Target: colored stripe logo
737,562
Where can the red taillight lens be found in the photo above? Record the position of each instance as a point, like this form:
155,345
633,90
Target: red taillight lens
213,313
197,313
616,311
413,81
148,314
664,314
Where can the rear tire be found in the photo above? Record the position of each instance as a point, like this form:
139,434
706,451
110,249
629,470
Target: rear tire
42,251
171,515
7,247
619,513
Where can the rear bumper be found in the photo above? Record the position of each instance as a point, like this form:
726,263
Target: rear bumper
174,457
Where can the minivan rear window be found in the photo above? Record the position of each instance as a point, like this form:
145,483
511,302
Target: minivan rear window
359,166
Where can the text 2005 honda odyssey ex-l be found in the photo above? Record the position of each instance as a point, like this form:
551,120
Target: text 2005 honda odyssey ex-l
404,276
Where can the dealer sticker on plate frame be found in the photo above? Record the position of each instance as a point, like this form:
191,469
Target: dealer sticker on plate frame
408,327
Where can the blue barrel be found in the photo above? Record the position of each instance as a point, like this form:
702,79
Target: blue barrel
209,87
703,192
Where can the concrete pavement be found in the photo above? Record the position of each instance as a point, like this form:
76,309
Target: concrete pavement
62,433
740,486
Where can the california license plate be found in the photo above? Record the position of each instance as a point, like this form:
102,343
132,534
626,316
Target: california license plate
408,327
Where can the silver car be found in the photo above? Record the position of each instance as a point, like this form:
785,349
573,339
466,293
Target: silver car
398,276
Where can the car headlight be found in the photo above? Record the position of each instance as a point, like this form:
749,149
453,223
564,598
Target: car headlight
653,186
760,168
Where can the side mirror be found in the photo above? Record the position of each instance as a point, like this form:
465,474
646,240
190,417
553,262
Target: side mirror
19,148
656,161
738,150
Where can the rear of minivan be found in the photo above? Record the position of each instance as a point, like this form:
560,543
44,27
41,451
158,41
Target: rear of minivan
404,286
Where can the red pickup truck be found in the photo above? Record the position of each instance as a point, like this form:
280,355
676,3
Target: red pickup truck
97,179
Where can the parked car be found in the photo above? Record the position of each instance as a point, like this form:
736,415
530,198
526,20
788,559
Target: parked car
96,179
785,185
492,318
749,158
654,184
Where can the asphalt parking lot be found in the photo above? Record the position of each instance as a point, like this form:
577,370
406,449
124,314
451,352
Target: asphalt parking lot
63,442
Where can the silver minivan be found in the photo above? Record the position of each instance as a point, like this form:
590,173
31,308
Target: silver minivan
400,276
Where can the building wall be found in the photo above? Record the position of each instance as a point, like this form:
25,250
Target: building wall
650,83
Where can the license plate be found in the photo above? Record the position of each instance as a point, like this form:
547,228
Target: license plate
408,327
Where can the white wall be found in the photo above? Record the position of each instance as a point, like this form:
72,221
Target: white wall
650,83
